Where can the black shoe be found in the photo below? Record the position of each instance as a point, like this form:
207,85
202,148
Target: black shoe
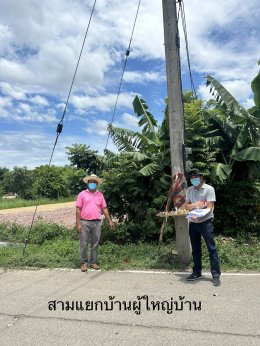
216,281
193,277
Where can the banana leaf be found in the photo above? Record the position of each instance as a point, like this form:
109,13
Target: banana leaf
249,154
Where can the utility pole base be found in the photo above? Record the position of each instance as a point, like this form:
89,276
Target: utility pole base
183,246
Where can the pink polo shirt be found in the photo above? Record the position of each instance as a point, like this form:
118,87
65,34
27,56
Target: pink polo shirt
90,204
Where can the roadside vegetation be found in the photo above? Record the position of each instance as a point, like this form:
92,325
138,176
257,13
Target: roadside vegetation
53,246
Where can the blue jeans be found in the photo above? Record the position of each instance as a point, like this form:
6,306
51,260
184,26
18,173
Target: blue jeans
204,229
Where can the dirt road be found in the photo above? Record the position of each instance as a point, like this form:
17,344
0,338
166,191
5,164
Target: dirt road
60,213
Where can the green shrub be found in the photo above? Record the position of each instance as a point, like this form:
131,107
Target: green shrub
40,233
13,233
236,210
119,235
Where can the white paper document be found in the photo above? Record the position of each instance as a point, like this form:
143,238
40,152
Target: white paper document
198,213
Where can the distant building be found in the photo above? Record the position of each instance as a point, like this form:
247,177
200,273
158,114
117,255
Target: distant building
11,195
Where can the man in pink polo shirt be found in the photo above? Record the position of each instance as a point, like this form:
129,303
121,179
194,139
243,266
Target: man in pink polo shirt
89,204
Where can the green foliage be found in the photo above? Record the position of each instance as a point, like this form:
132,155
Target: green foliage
137,176
220,171
234,130
3,188
50,182
119,235
125,140
195,136
3,172
19,180
132,199
82,157
40,233
49,255
255,85
74,180
13,233
252,153
59,248
147,120
237,209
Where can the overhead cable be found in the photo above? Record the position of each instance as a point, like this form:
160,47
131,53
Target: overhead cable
124,67
182,10
60,124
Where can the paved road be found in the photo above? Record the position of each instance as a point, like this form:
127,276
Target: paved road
229,314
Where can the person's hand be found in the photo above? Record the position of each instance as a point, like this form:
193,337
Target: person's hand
200,205
111,224
78,228
194,218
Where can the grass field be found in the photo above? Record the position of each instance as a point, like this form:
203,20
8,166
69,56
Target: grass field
53,246
19,202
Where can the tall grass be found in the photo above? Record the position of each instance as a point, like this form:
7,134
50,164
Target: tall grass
19,202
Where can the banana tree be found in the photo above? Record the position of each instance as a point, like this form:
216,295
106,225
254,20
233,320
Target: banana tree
144,147
236,130
136,180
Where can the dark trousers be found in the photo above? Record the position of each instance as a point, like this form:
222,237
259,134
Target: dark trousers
204,229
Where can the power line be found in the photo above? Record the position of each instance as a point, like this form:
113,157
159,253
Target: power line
182,10
121,80
60,124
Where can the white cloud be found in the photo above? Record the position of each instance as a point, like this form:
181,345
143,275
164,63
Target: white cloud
248,103
5,101
204,92
222,38
60,105
128,121
25,107
31,149
98,127
5,38
24,112
11,91
240,89
143,77
39,100
103,103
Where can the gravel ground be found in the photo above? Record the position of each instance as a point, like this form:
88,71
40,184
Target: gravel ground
61,214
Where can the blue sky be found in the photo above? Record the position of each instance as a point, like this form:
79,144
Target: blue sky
39,46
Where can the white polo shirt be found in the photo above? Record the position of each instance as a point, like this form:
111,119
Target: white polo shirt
205,193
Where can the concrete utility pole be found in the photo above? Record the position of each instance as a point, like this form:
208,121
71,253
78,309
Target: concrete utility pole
176,120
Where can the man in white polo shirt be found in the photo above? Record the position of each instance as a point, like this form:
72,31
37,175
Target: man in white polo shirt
198,196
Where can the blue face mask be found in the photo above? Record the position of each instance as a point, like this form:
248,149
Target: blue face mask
195,181
92,186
